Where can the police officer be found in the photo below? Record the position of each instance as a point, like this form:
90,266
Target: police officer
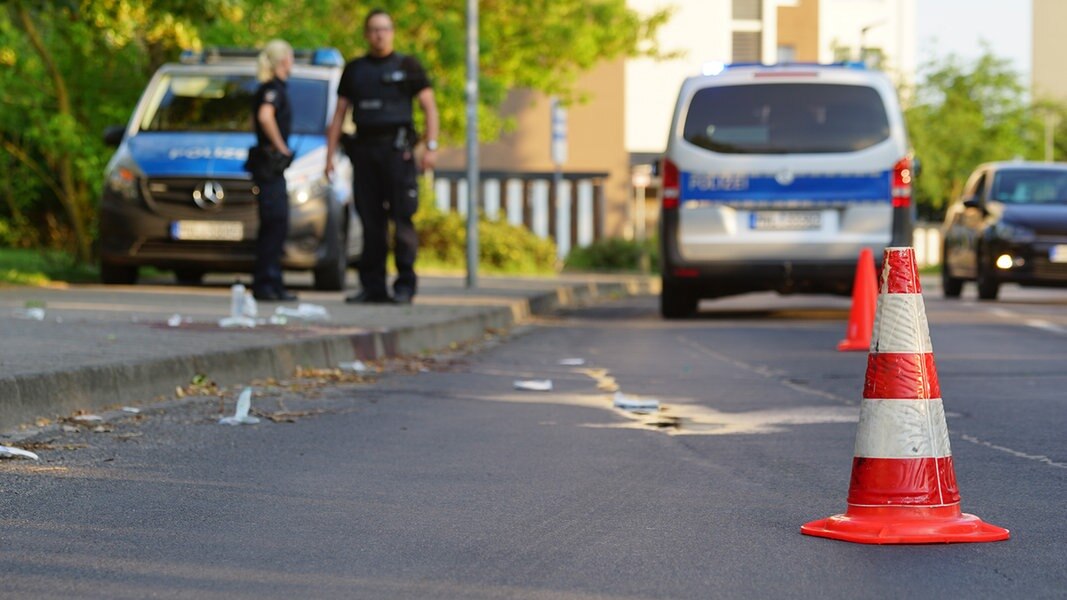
273,118
380,87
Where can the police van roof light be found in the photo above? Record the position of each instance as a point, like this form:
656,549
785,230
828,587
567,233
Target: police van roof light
327,57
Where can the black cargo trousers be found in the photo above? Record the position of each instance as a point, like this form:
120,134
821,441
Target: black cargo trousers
273,205
385,187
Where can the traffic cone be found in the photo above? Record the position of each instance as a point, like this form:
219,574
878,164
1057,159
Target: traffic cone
864,301
903,488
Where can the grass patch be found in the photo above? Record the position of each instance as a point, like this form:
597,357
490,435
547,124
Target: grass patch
42,267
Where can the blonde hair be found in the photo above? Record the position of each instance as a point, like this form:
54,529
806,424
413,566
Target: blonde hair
274,52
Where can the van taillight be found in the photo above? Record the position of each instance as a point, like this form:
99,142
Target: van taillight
670,186
900,187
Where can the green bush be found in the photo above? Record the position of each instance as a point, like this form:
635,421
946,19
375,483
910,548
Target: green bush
502,248
613,255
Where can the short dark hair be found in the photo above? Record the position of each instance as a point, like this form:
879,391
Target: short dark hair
374,13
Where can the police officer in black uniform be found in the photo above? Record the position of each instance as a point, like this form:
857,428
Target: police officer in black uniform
380,88
273,117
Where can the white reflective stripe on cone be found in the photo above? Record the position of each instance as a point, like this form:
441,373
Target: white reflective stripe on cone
900,325
902,429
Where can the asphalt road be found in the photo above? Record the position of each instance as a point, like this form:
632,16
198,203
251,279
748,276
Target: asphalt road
438,479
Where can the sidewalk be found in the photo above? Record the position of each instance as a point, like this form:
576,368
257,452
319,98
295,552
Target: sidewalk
106,346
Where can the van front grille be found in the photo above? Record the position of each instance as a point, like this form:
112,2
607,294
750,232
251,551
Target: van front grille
176,198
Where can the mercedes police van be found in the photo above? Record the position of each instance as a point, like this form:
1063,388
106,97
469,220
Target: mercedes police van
775,177
177,195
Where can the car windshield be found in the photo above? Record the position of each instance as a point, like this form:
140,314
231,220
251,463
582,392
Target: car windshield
223,103
783,118
1030,186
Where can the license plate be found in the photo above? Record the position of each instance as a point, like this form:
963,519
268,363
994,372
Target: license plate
785,220
229,231
1058,254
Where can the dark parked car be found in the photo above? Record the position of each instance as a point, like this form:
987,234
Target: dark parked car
1010,225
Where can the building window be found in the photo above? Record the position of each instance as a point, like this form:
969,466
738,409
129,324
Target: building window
748,9
747,46
787,54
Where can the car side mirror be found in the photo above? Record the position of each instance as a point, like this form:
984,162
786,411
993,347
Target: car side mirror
113,134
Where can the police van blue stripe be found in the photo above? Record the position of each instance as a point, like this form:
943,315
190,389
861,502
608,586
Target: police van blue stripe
872,187
184,154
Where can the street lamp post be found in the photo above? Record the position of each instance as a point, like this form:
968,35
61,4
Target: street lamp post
473,183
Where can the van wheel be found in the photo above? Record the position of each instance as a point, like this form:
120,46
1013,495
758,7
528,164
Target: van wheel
988,286
676,302
113,274
951,287
189,276
330,277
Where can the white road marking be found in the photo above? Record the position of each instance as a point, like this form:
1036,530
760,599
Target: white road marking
1036,457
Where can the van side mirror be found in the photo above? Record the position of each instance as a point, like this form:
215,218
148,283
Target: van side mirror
113,134
973,202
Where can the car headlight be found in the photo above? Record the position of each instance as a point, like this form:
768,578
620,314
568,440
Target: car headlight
1013,233
302,192
125,180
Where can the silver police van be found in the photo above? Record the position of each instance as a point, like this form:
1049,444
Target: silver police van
176,194
775,177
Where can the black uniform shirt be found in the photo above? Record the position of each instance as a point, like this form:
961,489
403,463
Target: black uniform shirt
380,90
276,93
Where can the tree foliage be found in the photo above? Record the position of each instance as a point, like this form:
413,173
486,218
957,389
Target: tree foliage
964,114
68,68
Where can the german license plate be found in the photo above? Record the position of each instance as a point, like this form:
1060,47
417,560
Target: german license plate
785,220
1058,254
229,231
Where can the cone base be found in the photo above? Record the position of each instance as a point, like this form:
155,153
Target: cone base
905,525
854,345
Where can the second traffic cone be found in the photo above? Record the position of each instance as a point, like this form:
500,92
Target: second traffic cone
903,488
864,301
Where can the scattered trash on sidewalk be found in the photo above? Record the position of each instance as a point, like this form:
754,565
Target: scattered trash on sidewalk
241,304
35,313
11,452
635,403
356,366
308,312
87,419
69,429
572,362
534,385
175,320
130,409
240,321
278,320
240,415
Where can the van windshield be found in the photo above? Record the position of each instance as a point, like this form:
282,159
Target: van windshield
223,103
786,118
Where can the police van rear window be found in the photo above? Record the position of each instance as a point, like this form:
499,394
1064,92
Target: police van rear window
223,103
786,118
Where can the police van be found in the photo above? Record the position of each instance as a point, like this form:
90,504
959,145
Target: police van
775,177
177,196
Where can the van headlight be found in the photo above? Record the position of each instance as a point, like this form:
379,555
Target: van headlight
1013,233
302,193
124,180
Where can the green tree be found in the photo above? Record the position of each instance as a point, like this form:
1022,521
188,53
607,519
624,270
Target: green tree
965,114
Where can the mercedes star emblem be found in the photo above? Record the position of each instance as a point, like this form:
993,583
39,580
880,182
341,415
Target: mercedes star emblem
209,195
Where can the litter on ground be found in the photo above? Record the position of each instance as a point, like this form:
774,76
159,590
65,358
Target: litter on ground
240,415
534,385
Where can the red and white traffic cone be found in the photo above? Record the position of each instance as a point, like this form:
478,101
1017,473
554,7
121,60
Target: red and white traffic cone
864,303
903,488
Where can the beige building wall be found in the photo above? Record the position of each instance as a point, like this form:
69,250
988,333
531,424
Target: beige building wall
595,139
1049,78
798,27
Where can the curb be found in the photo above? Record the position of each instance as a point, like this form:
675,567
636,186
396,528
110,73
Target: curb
28,397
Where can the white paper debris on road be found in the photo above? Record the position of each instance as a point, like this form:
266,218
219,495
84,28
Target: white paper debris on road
175,320
240,415
356,366
572,362
635,403
33,314
130,409
308,312
242,321
87,418
534,385
9,452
